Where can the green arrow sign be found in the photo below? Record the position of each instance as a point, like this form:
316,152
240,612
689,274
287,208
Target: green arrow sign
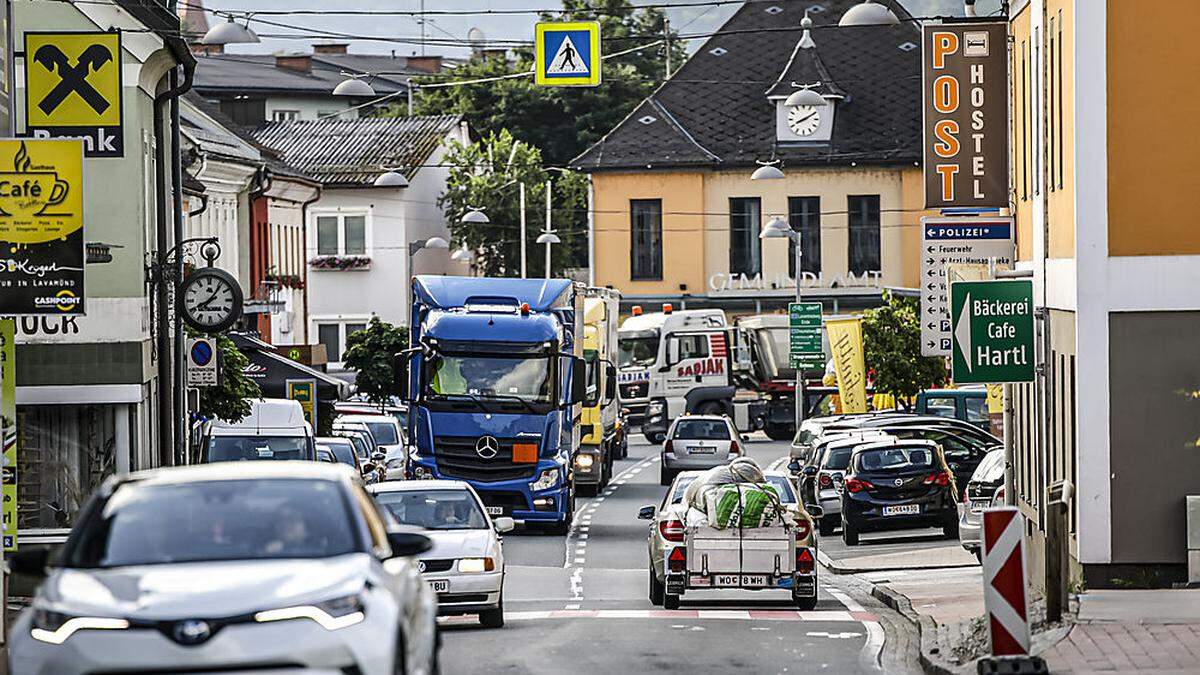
993,331
804,322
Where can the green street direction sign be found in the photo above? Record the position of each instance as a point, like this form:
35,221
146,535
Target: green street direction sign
993,331
804,335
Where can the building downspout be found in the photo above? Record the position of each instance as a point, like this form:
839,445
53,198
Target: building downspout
304,256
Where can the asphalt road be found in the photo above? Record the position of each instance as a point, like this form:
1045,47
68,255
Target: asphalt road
580,605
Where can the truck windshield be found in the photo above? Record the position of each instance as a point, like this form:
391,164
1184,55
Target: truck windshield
639,348
490,376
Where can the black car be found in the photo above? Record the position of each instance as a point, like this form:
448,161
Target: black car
894,485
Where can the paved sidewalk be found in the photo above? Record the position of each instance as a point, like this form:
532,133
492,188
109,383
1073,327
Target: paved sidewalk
1132,631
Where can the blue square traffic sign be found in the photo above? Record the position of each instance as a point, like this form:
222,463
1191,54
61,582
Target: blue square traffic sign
567,54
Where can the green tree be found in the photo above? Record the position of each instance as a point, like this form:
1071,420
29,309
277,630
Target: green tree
892,349
561,121
370,351
230,400
486,175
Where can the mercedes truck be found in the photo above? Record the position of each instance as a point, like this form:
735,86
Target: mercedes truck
495,378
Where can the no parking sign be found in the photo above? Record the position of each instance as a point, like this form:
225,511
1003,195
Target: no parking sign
202,369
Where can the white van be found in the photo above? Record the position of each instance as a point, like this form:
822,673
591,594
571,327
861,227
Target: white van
274,429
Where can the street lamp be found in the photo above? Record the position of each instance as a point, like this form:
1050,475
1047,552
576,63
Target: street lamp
868,14
229,33
549,239
778,228
354,85
391,178
767,171
463,255
475,216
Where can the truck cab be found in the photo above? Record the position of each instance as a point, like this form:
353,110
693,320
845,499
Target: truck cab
643,355
495,380
601,437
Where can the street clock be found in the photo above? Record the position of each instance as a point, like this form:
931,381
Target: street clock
210,300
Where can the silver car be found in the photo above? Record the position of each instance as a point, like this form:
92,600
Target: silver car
466,565
984,490
666,520
230,567
833,457
698,442
388,435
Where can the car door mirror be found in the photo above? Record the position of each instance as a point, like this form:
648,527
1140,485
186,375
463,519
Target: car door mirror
503,524
794,466
815,511
646,512
378,456
408,544
30,561
809,471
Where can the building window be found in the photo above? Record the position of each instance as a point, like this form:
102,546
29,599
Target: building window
1058,63
340,234
64,453
645,255
864,233
745,222
334,335
285,115
804,215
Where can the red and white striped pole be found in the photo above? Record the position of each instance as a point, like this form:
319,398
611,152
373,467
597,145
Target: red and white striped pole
1005,582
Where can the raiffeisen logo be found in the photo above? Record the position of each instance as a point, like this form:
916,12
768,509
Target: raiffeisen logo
65,301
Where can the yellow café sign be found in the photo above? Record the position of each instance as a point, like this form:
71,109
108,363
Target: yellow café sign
41,227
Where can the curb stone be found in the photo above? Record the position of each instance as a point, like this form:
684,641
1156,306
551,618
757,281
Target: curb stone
926,631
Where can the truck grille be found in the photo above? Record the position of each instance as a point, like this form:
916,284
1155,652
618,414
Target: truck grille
456,458
635,390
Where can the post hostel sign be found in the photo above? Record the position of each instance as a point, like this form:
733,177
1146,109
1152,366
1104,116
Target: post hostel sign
965,95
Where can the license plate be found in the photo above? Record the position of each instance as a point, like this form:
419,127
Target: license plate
980,504
494,510
741,580
902,510
440,585
701,450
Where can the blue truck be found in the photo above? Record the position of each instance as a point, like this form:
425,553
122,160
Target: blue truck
495,379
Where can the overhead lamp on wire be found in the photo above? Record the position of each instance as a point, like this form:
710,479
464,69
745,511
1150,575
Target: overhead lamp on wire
391,178
869,13
230,33
354,86
805,96
767,171
475,216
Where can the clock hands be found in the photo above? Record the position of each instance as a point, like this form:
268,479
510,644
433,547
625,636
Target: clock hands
806,117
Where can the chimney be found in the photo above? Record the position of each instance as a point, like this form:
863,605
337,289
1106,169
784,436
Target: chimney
301,63
331,48
425,64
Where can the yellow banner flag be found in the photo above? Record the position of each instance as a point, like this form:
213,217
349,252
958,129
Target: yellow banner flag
846,343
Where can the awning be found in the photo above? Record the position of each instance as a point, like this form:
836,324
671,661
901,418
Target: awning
271,371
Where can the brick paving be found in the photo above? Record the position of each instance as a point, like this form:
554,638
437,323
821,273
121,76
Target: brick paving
1127,647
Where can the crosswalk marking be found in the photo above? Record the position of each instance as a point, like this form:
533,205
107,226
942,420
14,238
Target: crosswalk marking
698,614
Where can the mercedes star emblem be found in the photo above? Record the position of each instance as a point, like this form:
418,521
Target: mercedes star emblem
191,631
899,482
487,447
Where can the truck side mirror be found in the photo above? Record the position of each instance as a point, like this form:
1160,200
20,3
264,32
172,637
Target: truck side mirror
672,351
400,375
610,383
578,380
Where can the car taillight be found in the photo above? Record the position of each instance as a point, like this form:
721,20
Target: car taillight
667,446
856,485
941,479
734,449
671,530
677,561
964,496
803,527
826,481
805,564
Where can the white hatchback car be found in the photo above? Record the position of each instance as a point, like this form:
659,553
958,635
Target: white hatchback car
388,435
697,442
230,567
465,567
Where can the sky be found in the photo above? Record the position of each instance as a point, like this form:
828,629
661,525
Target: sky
447,34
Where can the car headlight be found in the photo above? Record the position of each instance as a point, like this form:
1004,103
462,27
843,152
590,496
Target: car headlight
394,464
584,461
546,480
331,614
476,565
56,627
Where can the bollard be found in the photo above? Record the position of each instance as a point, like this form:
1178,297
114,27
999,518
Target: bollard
1058,504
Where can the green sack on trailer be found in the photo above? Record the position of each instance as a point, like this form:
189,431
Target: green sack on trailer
745,505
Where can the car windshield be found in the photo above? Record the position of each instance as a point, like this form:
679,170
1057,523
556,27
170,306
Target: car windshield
485,376
324,454
637,349
889,459
701,430
245,448
360,444
837,459
783,487
215,520
384,433
342,452
434,509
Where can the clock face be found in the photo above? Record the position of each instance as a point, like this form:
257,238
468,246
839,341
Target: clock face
804,120
211,299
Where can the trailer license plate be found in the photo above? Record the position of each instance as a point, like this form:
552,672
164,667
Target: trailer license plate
494,510
902,510
440,585
741,580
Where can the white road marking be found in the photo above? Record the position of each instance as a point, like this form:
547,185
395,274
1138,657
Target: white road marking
868,656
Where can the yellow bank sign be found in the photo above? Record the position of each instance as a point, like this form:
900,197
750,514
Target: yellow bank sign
73,89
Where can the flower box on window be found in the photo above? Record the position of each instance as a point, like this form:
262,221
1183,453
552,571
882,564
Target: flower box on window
340,262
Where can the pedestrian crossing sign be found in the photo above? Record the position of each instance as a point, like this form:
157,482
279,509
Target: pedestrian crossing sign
567,54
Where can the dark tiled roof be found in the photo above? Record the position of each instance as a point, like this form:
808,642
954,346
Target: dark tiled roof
351,152
718,99
244,73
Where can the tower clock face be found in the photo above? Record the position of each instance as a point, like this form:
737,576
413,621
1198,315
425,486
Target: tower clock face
804,120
